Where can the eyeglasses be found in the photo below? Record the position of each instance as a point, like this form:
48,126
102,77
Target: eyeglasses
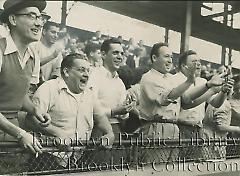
82,69
33,16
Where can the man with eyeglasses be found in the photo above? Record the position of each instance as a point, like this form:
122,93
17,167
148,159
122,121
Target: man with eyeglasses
18,68
193,101
71,104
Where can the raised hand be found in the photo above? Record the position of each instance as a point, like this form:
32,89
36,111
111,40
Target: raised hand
123,109
216,80
190,71
227,85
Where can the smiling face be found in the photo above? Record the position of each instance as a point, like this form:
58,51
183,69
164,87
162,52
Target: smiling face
29,29
78,75
51,34
194,60
163,62
114,57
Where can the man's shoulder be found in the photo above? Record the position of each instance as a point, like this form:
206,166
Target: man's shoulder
52,85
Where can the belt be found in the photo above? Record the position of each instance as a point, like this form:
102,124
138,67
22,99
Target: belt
10,114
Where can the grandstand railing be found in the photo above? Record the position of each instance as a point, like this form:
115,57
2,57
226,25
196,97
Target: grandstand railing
125,154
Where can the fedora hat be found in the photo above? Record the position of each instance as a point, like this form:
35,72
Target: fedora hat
11,6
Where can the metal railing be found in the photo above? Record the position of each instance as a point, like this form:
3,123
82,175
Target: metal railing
130,152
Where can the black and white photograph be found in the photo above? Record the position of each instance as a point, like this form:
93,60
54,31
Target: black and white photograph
122,88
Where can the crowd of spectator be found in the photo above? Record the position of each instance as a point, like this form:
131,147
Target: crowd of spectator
104,86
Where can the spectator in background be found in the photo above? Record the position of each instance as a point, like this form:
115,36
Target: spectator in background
131,46
50,54
209,67
121,40
80,45
143,49
133,61
97,38
93,52
72,47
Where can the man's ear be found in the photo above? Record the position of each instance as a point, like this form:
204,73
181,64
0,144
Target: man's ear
103,54
154,58
66,72
12,20
43,32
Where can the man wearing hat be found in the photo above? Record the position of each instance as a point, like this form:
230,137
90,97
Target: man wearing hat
19,67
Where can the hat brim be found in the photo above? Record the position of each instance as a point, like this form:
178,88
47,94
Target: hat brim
41,5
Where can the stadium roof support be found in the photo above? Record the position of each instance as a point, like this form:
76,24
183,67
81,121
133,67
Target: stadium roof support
171,15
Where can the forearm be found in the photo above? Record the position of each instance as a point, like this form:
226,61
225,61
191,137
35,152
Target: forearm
197,101
226,128
218,100
178,91
8,127
28,105
196,92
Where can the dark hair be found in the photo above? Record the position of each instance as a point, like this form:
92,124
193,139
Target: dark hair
182,59
67,61
91,47
106,44
155,49
48,24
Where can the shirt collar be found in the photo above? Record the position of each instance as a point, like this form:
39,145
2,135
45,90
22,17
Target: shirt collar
160,74
108,73
11,47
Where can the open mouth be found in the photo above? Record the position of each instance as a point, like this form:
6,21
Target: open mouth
35,31
83,81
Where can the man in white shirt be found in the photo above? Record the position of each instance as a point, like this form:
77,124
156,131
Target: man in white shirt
111,91
194,99
160,95
72,104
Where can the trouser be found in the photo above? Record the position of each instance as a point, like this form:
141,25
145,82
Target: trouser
160,153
